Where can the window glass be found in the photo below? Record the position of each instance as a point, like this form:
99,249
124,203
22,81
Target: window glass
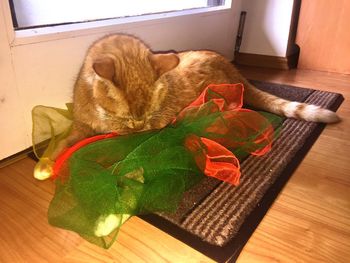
35,13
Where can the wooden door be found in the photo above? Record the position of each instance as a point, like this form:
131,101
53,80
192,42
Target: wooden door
324,35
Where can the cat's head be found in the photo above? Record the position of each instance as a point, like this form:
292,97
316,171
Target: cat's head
128,89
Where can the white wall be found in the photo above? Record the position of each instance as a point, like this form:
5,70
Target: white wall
42,70
11,109
267,25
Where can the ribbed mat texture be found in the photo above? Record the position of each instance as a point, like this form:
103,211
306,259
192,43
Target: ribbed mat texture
215,212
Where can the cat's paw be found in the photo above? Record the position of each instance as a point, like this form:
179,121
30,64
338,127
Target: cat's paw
106,224
43,169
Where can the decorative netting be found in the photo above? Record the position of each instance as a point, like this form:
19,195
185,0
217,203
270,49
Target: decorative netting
102,181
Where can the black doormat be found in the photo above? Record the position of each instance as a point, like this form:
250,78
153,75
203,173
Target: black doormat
216,218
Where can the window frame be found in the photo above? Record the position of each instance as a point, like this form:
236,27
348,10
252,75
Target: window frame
55,32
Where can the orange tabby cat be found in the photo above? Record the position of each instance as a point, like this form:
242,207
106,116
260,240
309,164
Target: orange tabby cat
124,87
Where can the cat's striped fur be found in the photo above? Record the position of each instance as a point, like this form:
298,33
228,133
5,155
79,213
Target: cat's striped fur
124,87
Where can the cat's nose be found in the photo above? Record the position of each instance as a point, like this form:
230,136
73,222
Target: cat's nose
136,124
139,124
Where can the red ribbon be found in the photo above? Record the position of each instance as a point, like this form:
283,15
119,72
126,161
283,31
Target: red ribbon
64,156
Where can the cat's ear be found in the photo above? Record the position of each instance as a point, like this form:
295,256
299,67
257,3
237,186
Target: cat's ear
104,67
164,62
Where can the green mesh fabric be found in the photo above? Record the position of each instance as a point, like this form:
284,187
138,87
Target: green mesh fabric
148,172
126,181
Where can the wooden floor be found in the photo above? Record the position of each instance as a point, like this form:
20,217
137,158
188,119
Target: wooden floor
309,222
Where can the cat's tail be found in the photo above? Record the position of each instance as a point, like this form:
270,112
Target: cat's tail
268,102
